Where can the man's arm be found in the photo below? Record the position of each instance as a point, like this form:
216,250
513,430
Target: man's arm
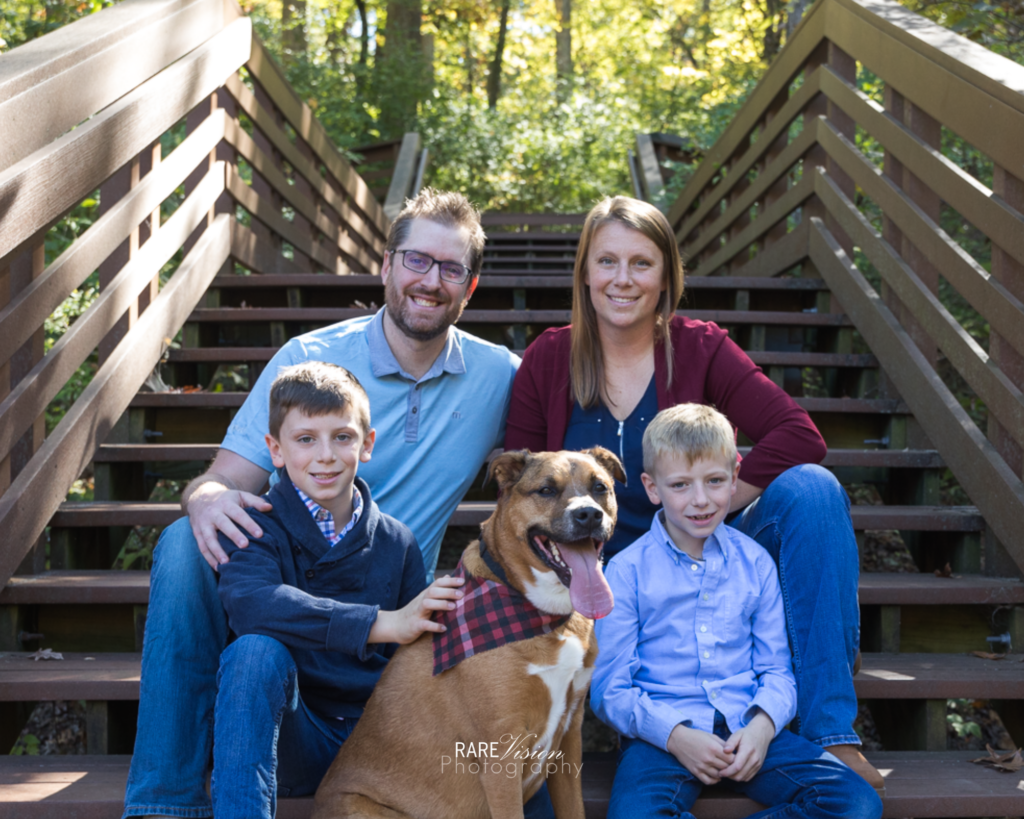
216,502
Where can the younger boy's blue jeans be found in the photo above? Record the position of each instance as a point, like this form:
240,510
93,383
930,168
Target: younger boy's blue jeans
797,779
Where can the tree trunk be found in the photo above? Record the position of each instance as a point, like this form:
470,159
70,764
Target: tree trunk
563,48
364,32
494,77
400,75
794,14
293,30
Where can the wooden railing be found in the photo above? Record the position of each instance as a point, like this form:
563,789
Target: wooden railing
816,178
95,106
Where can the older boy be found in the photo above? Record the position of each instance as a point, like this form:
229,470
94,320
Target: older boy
318,601
694,669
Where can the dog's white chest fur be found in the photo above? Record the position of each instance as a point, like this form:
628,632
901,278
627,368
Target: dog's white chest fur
568,670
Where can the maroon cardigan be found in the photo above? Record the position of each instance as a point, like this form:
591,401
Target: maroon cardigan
709,369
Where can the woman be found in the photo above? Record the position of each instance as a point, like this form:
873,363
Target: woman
626,356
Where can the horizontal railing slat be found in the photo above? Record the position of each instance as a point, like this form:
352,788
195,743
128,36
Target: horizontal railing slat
1004,312
38,490
1002,397
776,128
977,204
309,128
765,221
984,475
30,308
51,181
52,84
351,217
261,257
35,391
780,74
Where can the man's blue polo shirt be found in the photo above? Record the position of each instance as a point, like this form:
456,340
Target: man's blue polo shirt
433,434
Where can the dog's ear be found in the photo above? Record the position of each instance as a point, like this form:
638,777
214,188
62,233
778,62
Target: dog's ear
507,468
607,459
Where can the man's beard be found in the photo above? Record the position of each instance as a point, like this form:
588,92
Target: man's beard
394,303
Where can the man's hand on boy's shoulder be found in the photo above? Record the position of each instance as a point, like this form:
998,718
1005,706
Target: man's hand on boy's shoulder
216,502
409,622
749,745
701,753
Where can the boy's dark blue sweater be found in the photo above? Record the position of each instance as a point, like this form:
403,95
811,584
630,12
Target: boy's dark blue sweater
319,600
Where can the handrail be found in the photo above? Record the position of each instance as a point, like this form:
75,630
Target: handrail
307,211
782,188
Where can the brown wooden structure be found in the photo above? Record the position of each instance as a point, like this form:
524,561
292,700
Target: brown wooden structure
229,223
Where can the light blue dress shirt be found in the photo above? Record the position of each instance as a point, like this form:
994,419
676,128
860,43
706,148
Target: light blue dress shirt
690,637
433,433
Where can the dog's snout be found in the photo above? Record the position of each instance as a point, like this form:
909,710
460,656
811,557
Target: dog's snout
589,516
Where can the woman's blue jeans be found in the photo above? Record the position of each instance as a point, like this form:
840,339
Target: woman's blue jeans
803,520
186,632
797,779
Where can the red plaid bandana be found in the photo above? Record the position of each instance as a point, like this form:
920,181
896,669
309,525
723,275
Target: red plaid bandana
488,616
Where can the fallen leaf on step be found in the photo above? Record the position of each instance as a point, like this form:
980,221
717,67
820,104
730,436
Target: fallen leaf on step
46,654
987,655
945,571
90,658
1007,763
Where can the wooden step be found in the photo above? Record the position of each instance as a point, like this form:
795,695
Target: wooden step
471,513
309,315
919,783
894,458
222,400
882,676
763,358
505,280
876,589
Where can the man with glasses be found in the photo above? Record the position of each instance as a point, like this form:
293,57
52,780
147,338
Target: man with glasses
438,401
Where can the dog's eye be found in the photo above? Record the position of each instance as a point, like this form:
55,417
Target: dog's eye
599,488
546,491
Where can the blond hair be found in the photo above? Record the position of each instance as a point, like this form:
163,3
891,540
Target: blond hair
445,208
317,388
694,431
586,362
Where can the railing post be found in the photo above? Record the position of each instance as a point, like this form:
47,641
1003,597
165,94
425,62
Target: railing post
930,131
1010,273
15,276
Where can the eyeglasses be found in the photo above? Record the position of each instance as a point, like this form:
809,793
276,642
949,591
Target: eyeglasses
417,262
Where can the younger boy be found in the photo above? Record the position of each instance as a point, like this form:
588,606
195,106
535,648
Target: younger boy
694,669
318,602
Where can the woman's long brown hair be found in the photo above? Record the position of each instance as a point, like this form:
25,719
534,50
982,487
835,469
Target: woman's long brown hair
586,361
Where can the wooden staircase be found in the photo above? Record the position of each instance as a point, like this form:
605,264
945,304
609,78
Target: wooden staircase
279,236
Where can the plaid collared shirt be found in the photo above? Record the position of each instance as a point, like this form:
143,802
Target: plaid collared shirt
489,615
325,520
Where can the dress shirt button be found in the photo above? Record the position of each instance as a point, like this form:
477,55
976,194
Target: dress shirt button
322,514
714,695
707,654
310,574
693,567
703,629
707,596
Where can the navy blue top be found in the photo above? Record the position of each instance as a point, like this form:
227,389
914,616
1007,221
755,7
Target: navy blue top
598,427
321,600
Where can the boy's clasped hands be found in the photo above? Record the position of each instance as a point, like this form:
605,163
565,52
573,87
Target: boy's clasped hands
711,758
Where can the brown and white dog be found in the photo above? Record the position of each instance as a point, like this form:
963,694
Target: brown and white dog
480,738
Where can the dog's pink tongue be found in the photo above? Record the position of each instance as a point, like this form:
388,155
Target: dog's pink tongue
589,591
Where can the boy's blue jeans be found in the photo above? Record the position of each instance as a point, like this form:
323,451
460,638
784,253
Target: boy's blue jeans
186,632
266,742
797,779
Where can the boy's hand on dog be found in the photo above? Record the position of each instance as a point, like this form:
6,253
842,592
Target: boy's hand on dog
702,754
410,621
750,746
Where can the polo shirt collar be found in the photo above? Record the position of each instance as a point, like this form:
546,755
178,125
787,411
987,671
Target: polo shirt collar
716,541
383,361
